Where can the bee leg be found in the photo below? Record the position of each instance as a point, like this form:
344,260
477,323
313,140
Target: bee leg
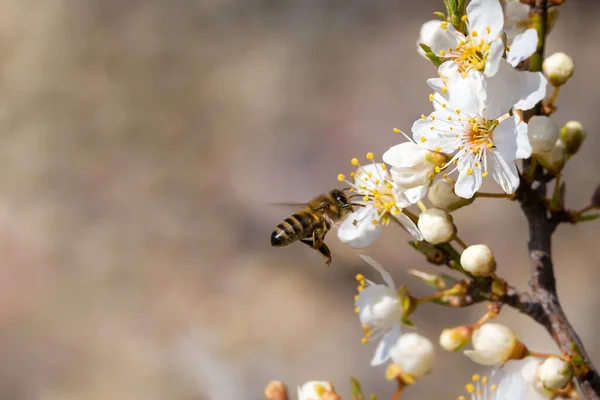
321,247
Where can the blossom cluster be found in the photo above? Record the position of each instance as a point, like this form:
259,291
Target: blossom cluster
480,125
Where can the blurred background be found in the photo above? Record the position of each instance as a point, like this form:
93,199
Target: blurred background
142,143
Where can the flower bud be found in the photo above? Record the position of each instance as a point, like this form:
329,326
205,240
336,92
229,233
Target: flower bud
555,373
479,260
553,160
441,195
454,339
414,354
426,34
572,134
542,132
317,390
411,165
494,344
437,226
558,68
276,390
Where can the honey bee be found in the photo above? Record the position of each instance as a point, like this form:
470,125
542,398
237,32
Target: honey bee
311,223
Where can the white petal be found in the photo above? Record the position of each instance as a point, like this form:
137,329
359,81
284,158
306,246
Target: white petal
408,178
469,94
448,72
517,11
505,138
405,155
434,140
522,47
415,194
426,33
382,353
467,184
503,90
443,39
436,84
495,54
364,233
481,358
364,171
410,226
387,278
504,171
369,295
524,149
532,87
483,14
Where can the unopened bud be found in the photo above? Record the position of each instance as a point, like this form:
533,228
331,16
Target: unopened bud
437,226
414,354
454,339
555,373
317,390
572,134
553,160
558,68
494,344
596,197
276,390
542,132
441,195
478,260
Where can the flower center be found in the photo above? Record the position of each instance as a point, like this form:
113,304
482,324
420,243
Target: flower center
470,53
480,389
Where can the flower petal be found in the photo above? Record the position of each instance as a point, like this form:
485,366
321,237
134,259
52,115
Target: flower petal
469,94
468,183
443,39
524,148
448,72
387,278
405,155
504,171
410,226
382,352
532,87
364,233
495,54
363,172
483,14
426,33
415,194
481,357
522,47
505,138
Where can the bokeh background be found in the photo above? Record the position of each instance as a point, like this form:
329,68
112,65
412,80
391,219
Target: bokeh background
142,144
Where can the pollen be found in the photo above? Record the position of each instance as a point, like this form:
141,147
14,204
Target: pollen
476,377
449,118
374,222
444,25
359,277
423,138
396,211
433,117
370,156
444,105
458,110
438,148
341,177
431,97
364,340
488,29
474,33
463,18
430,128
423,116
383,167
476,164
396,130
366,198
442,53
470,387
485,174
437,170
469,171
354,161
489,145
356,310
352,175
444,89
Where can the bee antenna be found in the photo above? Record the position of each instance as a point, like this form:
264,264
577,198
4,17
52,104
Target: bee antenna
360,195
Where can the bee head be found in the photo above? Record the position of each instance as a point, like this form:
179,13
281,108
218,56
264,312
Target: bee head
343,202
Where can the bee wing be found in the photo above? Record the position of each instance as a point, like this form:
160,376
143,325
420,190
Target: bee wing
290,206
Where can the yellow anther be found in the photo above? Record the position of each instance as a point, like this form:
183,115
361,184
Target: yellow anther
439,148
360,289
370,156
444,89
469,171
476,377
461,398
463,18
389,185
438,170
360,277
445,176
433,117
396,211
488,29
354,161
370,174
356,310
474,33
377,181
396,130
507,49
366,198
355,297
493,388
458,110
485,174
442,53
470,387
484,380
430,128
351,190
449,118
352,174
423,138
489,145
444,25
423,116
374,222
364,340
341,177
444,105
383,167
364,326
431,97
476,164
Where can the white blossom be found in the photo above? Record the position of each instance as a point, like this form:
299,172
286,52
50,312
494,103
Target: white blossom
426,33
493,344
516,18
379,310
542,132
478,259
482,142
382,199
414,354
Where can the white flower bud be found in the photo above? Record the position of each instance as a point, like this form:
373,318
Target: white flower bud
412,165
441,195
572,134
479,260
555,373
437,226
426,33
315,390
454,339
414,354
493,344
558,68
542,132
554,159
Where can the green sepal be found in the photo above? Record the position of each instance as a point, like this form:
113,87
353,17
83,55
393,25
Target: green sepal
429,54
357,393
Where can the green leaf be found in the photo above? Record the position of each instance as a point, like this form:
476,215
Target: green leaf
585,218
440,15
357,393
429,54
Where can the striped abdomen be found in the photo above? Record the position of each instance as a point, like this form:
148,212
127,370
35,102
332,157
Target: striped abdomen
298,226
